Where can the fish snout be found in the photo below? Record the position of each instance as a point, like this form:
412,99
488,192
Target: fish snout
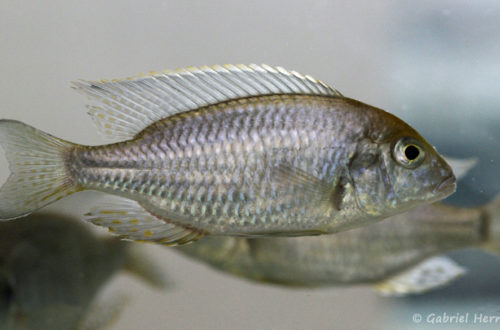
445,181
447,186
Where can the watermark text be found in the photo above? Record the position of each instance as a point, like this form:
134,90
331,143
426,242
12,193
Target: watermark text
456,318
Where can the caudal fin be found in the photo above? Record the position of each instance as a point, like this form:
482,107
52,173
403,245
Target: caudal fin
37,165
491,216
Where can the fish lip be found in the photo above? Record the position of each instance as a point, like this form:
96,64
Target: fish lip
447,186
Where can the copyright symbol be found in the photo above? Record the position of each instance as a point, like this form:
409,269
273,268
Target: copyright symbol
417,318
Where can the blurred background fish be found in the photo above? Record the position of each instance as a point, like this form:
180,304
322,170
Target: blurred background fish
386,253
53,267
395,254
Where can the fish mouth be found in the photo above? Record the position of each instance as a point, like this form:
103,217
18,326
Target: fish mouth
447,186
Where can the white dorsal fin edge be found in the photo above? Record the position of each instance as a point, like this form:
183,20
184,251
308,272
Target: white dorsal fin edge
427,275
122,108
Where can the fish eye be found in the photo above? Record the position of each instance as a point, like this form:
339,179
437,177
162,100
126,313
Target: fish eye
411,152
408,152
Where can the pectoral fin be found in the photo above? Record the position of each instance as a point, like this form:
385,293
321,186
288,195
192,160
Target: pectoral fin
329,195
129,220
429,274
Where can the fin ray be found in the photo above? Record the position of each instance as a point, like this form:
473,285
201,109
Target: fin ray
38,171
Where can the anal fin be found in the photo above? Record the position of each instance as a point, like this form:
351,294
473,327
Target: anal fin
427,275
129,220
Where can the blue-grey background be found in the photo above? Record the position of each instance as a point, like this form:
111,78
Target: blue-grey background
436,64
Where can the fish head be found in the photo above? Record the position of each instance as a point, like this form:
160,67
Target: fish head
399,173
418,173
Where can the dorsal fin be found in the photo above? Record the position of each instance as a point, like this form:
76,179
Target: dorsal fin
122,108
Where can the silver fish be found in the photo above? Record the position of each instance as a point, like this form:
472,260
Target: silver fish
234,150
397,255
52,268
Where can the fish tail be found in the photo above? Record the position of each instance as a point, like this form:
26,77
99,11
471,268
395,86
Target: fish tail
491,220
37,162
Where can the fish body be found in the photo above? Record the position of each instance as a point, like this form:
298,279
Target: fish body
53,267
388,254
278,163
218,167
